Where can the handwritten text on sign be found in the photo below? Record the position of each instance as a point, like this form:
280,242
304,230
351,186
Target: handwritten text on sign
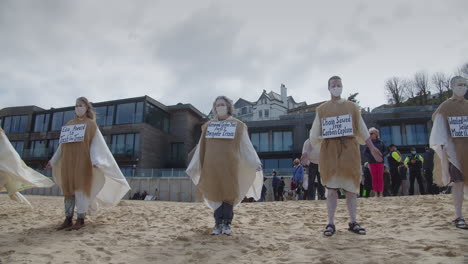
337,126
73,133
458,126
221,130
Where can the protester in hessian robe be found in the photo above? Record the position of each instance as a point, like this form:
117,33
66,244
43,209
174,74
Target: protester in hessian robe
225,166
451,161
338,129
86,170
15,175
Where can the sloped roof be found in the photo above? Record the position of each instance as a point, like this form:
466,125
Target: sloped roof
420,108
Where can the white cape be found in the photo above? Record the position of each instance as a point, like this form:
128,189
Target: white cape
109,185
250,180
15,175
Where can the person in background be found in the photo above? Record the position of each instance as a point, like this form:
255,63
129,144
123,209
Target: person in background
281,189
143,195
275,185
403,171
376,167
387,182
136,196
414,163
310,159
367,181
264,191
428,167
395,161
305,183
298,178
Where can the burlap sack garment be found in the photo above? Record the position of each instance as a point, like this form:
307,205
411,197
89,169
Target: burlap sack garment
219,160
340,157
77,169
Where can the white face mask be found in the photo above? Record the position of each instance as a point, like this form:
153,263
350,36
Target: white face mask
336,91
80,111
221,110
459,90
413,152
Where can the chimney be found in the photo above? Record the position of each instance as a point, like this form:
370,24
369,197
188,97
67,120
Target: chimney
284,94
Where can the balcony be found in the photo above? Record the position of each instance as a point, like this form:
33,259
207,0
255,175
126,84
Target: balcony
37,153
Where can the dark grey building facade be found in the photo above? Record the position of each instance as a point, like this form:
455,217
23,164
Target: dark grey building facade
140,132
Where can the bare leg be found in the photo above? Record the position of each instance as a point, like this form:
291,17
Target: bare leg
457,193
351,201
332,201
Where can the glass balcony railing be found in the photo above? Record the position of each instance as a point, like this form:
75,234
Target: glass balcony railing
41,152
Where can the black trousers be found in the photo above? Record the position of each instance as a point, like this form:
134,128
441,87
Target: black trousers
396,180
416,174
314,173
275,193
224,214
429,181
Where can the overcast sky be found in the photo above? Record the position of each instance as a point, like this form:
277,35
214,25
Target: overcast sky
190,51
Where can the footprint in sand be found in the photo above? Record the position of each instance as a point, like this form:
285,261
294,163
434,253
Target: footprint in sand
101,249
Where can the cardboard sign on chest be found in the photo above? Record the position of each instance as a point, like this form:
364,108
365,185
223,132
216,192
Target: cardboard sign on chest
73,133
223,129
337,126
458,126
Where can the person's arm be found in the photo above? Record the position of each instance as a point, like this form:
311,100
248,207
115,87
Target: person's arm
374,151
315,135
396,156
54,158
306,149
421,158
386,151
406,161
301,173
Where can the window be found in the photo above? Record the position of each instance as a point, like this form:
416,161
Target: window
260,114
282,141
416,134
244,110
260,141
41,123
127,171
104,115
276,164
15,124
19,146
130,113
391,135
157,117
38,148
267,113
177,152
60,119
53,146
126,145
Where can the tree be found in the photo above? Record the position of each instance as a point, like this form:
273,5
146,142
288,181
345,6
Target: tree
441,83
463,70
421,86
352,98
395,90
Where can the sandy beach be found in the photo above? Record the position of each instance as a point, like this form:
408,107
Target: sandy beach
399,230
